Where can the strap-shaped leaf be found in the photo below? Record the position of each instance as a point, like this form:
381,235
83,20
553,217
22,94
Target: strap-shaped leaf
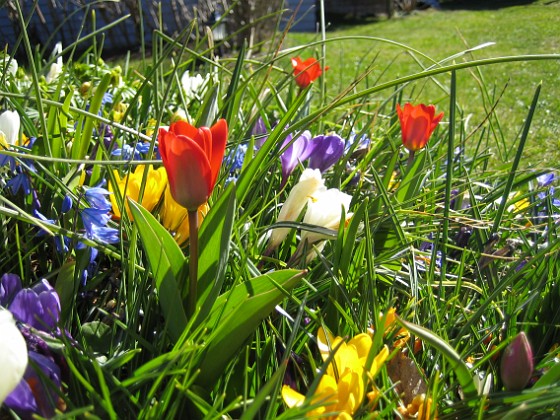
237,313
457,364
166,262
214,240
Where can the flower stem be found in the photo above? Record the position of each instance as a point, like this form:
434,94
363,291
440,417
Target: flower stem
410,158
193,262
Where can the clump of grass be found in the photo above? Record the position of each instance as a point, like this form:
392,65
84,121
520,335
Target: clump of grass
443,259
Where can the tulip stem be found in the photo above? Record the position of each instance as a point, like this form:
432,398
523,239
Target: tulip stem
193,262
410,158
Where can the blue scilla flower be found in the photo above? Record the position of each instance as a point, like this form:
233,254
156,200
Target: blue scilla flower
107,98
545,180
94,217
356,144
128,152
104,234
233,161
66,204
97,198
19,182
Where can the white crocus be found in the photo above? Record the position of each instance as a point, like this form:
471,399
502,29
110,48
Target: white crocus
325,211
310,184
10,62
56,67
194,86
13,354
9,128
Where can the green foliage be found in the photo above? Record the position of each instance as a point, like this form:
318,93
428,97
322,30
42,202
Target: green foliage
462,240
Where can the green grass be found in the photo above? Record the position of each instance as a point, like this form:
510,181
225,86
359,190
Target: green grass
516,30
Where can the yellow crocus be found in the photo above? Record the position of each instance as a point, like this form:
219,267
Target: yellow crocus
174,217
129,186
341,389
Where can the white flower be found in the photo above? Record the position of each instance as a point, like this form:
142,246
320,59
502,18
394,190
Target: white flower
13,354
194,86
12,67
9,128
325,211
56,67
310,184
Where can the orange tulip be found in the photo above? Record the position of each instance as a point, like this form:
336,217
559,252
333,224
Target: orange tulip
192,158
417,124
306,71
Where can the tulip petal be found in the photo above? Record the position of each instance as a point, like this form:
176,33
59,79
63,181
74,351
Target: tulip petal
219,139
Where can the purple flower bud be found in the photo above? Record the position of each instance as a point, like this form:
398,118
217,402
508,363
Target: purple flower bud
517,363
260,133
10,285
325,151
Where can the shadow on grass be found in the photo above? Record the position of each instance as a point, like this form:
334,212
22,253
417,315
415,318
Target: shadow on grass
482,4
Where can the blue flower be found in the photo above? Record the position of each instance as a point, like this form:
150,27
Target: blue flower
94,217
545,180
355,144
97,198
132,153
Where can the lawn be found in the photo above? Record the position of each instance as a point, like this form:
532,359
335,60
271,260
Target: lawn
516,30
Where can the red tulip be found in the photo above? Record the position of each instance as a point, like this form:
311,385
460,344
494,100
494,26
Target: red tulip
306,71
417,124
192,158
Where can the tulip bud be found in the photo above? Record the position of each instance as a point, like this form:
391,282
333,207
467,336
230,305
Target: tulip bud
9,128
85,88
517,363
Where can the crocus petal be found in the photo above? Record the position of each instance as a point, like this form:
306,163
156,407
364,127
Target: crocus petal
325,151
309,184
13,355
291,397
26,307
517,363
10,285
9,126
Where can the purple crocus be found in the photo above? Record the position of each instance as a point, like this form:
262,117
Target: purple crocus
33,395
325,151
38,307
10,285
296,152
260,133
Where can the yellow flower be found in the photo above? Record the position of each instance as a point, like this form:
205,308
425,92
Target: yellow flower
341,388
175,219
156,182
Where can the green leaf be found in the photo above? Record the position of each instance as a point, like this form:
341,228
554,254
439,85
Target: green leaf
81,143
64,287
459,367
214,241
408,188
166,261
98,335
265,394
237,313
